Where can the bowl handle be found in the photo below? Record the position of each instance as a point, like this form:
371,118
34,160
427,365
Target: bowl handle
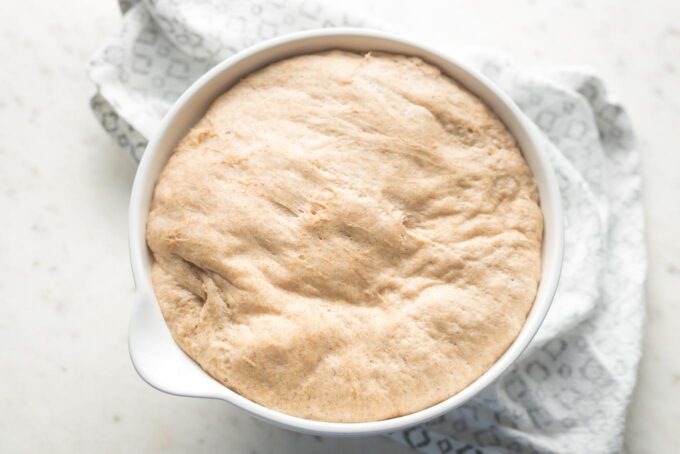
157,358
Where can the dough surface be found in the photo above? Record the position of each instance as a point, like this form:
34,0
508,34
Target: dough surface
346,237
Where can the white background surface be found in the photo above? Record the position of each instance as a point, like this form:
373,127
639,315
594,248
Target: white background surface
66,382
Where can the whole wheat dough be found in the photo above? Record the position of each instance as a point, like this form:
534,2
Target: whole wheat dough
346,237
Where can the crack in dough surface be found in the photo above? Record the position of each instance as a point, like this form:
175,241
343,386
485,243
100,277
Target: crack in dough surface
346,237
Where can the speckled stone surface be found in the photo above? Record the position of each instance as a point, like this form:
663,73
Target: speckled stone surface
66,289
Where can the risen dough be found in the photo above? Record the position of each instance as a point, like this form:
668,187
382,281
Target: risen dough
346,237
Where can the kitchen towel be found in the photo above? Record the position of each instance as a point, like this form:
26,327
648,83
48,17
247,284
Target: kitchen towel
570,390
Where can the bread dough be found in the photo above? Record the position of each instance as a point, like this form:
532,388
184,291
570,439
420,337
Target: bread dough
346,237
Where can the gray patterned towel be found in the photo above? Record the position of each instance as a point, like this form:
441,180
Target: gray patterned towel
570,390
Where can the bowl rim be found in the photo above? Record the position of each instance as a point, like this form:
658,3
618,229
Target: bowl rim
142,191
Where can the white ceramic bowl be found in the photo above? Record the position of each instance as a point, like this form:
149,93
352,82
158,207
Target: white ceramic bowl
161,363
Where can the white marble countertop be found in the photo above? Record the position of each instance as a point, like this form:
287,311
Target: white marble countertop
66,382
